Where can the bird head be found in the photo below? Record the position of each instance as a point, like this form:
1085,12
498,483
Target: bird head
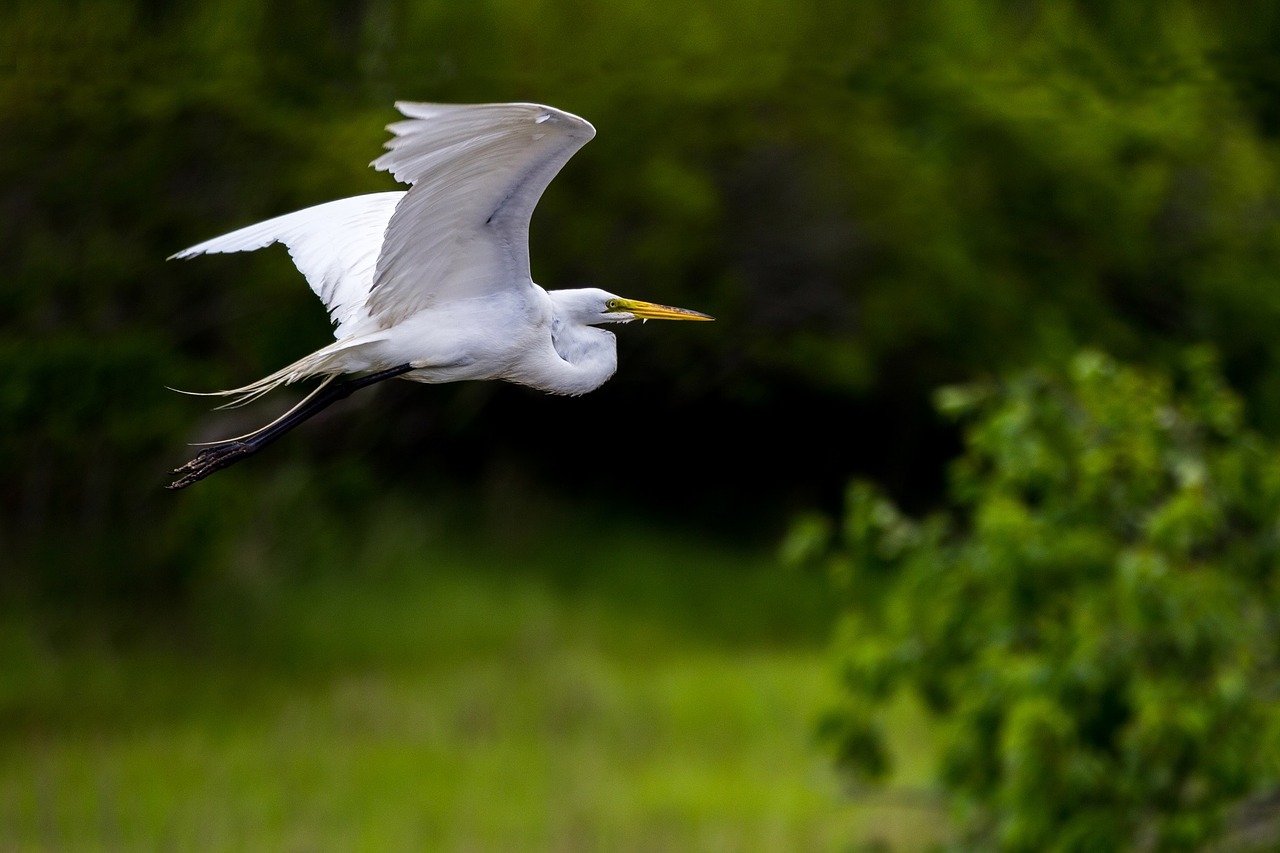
592,307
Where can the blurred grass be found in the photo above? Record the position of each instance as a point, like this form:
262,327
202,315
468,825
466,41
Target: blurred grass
580,683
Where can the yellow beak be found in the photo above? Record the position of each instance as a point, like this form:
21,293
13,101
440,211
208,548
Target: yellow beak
653,311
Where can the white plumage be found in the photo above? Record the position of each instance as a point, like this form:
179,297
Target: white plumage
335,245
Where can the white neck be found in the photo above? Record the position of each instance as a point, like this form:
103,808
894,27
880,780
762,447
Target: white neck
589,353
580,359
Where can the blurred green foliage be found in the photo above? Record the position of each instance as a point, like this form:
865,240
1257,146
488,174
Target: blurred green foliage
1093,622
419,689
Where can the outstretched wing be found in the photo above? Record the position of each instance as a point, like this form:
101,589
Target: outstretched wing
335,245
476,172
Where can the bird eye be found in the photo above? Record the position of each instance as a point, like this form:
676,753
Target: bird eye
613,305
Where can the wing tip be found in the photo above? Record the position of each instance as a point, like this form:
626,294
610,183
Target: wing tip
426,110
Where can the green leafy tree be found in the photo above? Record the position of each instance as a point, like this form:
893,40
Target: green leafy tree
1093,624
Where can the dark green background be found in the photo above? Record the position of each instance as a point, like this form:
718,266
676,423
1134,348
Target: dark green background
873,198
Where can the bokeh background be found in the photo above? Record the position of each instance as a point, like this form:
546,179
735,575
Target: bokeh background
476,617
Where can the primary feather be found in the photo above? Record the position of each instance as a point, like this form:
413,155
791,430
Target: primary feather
463,229
335,245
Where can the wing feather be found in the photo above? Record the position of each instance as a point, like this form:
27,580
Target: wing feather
476,174
335,245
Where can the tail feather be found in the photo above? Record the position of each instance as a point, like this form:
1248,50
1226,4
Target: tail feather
328,361
265,427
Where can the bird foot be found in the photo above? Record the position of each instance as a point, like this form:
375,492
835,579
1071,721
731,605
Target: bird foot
209,460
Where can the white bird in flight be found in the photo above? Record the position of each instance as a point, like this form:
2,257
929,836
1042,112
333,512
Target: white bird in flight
433,284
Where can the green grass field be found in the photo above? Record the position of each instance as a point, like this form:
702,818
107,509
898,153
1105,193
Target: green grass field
420,690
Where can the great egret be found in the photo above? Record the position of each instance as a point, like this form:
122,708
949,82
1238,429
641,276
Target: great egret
433,284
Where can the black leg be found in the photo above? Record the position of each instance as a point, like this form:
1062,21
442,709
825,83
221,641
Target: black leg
222,455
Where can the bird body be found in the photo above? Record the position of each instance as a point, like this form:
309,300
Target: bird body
433,284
